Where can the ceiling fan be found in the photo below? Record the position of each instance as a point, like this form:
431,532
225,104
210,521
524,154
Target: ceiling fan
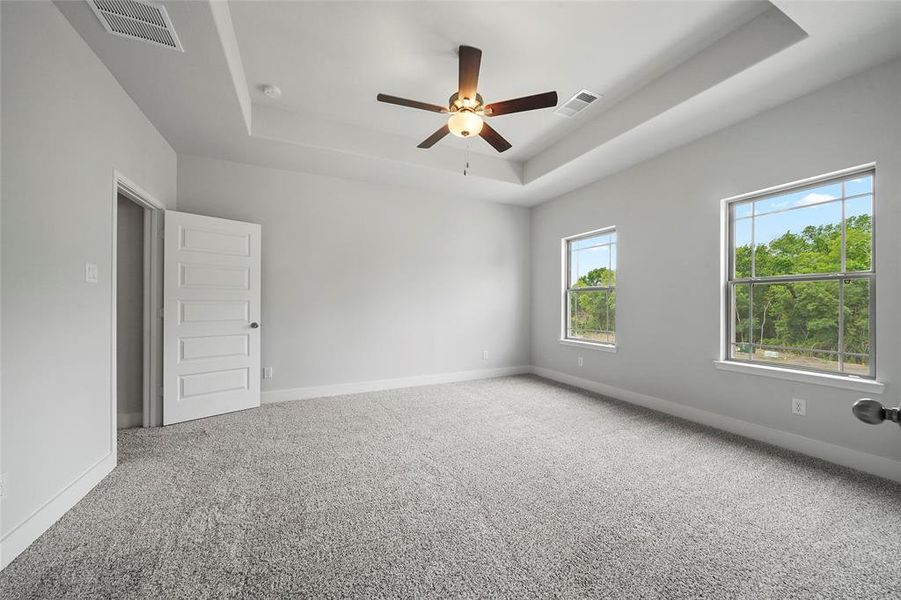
467,109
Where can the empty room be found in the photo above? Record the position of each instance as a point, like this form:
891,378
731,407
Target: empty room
426,299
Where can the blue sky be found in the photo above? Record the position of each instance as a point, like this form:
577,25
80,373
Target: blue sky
815,206
592,253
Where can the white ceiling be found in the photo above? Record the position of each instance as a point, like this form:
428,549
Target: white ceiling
669,71
331,59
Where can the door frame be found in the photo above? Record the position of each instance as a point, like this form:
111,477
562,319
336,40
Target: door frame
153,295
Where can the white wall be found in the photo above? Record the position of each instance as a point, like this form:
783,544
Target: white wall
129,313
364,282
667,213
65,129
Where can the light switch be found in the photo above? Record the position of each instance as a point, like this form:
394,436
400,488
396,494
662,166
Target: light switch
90,273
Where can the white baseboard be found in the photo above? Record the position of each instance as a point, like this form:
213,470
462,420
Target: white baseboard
127,420
862,461
26,532
340,389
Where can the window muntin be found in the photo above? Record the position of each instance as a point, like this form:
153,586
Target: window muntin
801,277
590,288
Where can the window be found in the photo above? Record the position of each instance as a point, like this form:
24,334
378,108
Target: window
590,288
801,277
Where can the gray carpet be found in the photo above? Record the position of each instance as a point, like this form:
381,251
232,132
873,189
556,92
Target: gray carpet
512,487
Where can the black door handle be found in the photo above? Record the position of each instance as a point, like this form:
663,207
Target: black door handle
254,325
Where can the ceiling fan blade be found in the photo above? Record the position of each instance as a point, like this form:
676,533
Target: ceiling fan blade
545,100
470,60
432,139
410,103
496,140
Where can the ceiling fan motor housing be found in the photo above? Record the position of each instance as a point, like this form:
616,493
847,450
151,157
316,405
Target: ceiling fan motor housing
465,115
456,103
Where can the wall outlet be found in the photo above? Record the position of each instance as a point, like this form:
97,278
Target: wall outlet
90,273
580,362
799,406
267,372
484,355
4,485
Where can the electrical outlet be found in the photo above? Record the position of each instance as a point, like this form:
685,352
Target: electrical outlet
4,485
484,355
799,406
90,273
580,362
267,372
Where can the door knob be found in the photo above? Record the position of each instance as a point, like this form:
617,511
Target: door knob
872,412
254,325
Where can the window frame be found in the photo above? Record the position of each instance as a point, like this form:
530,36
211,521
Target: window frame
566,243
842,277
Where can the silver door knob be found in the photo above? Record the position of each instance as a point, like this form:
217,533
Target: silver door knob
254,325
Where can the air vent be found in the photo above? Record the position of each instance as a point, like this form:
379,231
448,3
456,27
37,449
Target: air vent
137,20
577,103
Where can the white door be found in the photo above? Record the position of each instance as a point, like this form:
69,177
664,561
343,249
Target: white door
211,328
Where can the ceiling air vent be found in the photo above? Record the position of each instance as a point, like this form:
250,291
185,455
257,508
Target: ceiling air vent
577,103
137,20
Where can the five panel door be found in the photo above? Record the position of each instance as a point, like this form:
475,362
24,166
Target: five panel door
211,329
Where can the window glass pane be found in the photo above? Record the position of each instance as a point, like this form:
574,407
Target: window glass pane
741,351
857,325
589,267
796,323
611,316
857,364
806,197
741,332
858,233
592,261
741,238
805,359
588,316
804,240
588,242
859,185
741,210
611,276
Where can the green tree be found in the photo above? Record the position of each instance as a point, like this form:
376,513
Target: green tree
593,313
804,315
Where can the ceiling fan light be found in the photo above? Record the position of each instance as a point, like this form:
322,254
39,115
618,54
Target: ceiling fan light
464,124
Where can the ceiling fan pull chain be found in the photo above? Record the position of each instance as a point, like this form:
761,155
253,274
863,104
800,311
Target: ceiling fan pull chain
466,167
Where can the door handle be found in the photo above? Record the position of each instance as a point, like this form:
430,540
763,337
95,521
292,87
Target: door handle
872,412
254,325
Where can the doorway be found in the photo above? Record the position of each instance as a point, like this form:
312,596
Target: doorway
136,301
130,309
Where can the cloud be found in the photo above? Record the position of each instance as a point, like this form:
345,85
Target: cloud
814,198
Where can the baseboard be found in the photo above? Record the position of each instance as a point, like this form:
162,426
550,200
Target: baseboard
862,461
26,532
341,389
128,420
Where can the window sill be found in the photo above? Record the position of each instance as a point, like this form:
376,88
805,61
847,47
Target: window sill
591,345
836,381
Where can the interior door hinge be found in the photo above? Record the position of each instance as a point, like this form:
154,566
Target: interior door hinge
162,393
162,313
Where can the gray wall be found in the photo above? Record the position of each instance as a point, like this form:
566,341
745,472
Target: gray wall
129,313
667,213
65,129
364,282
